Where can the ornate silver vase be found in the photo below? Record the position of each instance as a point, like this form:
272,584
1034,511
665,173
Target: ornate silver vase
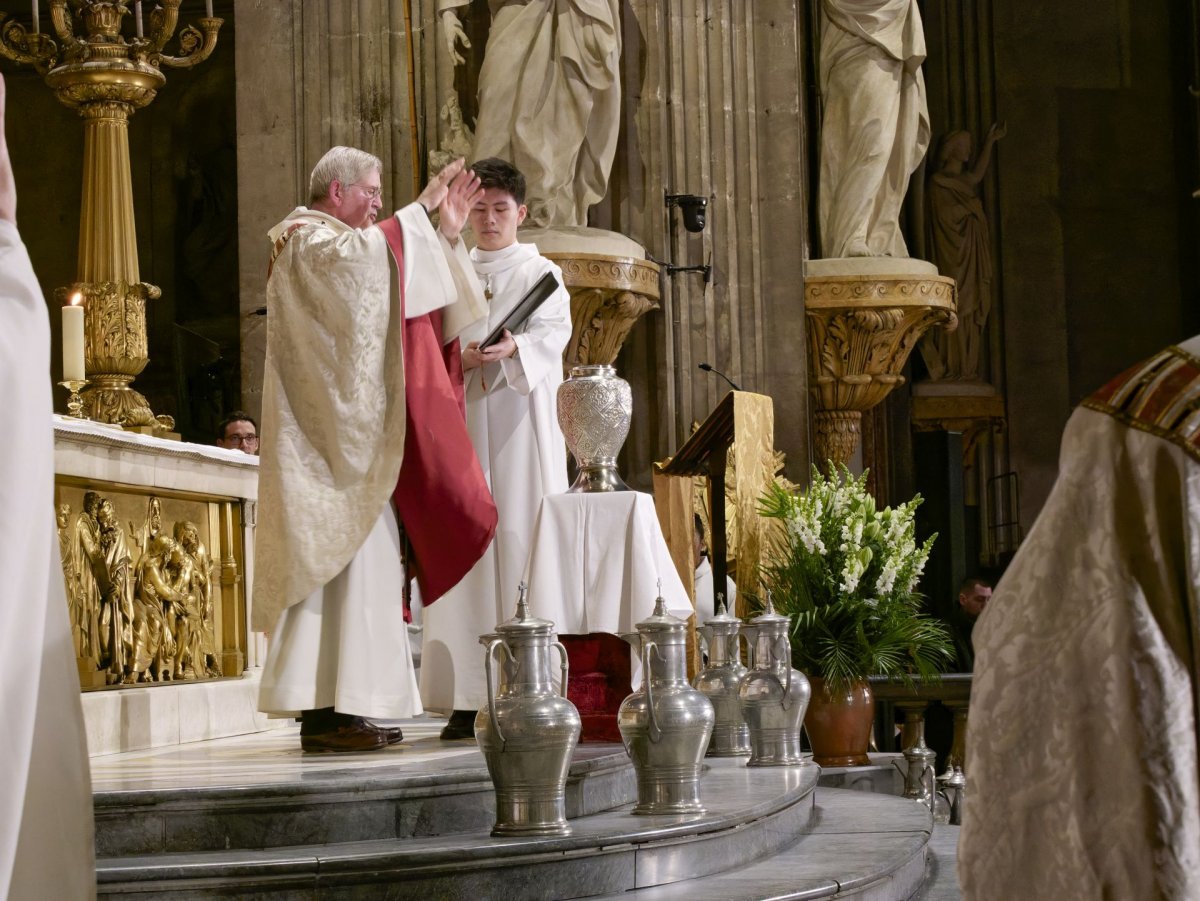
594,410
773,695
528,729
666,724
720,681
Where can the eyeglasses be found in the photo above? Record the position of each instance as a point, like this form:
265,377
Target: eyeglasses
241,439
371,192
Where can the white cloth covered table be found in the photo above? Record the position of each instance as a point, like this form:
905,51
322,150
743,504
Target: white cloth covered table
595,561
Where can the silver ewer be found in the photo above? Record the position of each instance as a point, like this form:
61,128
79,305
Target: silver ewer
666,724
773,695
528,729
720,681
595,406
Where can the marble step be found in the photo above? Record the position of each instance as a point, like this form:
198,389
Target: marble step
257,796
857,845
752,814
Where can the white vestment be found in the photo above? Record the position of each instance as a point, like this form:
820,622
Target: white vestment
706,599
513,421
875,124
46,839
1082,740
327,559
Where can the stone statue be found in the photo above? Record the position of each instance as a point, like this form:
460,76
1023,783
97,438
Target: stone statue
962,250
456,137
153,613
549,98
875,125
204,660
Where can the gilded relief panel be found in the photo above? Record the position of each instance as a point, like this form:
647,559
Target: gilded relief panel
153,583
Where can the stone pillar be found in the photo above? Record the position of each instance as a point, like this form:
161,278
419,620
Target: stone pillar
714,106
311,75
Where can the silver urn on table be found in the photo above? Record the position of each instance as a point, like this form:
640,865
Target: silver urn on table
773,695
665,724
595,406
528,729
720,681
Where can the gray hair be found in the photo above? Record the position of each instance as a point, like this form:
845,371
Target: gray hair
344,165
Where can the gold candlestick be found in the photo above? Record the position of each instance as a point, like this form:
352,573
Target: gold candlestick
92,66
74,401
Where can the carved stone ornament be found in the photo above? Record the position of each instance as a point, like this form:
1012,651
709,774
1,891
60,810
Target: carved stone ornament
608,295
861,329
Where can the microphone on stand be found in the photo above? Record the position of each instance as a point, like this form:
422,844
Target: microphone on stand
732,383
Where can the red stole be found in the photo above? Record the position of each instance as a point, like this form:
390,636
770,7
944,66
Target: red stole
442,497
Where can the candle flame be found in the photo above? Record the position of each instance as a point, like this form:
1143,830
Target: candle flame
76,299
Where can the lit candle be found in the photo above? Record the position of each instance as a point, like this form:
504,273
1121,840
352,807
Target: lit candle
208,8
36,24
137,17
72,326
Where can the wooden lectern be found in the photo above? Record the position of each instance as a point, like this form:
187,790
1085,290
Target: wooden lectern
734,450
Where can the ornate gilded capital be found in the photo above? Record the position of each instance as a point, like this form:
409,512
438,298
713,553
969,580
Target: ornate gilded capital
608,295
861,329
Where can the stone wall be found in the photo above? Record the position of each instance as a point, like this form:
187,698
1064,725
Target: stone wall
1089,198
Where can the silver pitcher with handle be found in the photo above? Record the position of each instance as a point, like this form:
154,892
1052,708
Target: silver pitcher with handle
528,729
720,681
773,695
918,772
665,724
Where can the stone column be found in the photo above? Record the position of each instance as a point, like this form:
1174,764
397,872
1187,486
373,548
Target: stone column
311,74
714,106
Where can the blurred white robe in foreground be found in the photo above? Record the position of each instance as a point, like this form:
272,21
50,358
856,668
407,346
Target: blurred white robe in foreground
46,838
1082,740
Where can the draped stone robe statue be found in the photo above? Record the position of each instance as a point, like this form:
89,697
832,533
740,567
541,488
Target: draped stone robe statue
875,126
549,98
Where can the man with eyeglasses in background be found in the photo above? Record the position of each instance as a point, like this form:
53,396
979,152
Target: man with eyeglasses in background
238,431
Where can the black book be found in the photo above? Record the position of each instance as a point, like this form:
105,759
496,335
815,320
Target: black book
534,298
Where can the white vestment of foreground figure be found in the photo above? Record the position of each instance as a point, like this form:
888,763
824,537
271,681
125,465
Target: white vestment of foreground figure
1082,744
513,421
327,561
46,845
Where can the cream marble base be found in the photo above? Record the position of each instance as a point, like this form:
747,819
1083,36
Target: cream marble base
136,719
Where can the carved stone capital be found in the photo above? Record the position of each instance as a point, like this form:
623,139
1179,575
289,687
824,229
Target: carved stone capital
837,435
608,295
861,329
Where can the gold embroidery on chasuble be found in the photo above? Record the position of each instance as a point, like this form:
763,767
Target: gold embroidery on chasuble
1160,395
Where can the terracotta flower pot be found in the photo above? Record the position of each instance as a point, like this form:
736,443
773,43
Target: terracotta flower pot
839,723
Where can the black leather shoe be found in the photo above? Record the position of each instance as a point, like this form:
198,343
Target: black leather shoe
460,725
393,734
359,736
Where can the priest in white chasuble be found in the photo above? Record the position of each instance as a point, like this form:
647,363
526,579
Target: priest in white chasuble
362,423
1082,769
46,840
511,389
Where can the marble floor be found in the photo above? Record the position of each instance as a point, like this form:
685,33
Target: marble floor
275,758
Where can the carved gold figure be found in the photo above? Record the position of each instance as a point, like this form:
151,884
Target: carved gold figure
142,598
154,602
204,661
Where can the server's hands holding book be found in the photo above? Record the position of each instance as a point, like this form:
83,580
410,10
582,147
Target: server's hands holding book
474,356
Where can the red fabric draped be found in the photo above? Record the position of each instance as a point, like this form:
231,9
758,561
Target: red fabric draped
442,497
